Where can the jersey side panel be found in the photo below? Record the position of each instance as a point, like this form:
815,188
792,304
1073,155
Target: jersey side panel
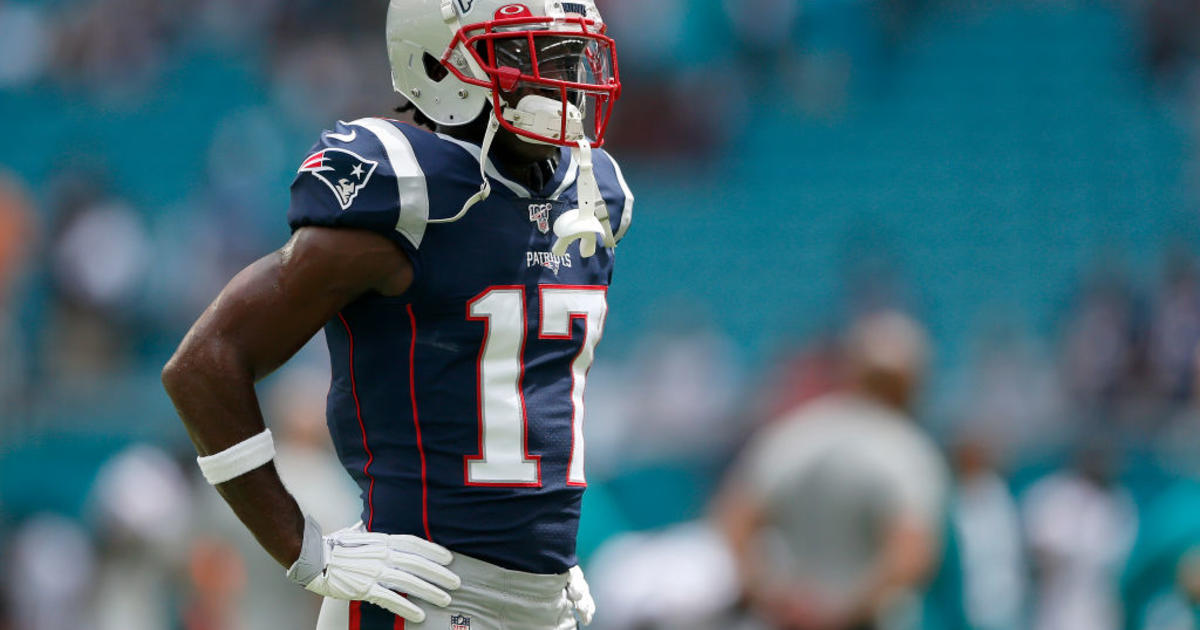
369,412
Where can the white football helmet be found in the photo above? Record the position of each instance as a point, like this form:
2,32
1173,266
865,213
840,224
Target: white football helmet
541,64
450,57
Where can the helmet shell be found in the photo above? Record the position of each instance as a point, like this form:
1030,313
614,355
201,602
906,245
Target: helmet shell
416,28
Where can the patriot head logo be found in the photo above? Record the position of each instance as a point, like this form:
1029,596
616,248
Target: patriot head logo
344,172
460,622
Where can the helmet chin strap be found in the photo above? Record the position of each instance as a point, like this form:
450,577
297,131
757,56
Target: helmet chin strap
543,116
590,219
485,189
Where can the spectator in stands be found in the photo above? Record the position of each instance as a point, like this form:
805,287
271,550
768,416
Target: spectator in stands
852,491
1098,347
100,257
1175,328
113,46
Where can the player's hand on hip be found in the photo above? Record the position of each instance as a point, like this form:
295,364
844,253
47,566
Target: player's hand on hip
580,595
376,568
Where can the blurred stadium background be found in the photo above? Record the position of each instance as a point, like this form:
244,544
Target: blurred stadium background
1021,177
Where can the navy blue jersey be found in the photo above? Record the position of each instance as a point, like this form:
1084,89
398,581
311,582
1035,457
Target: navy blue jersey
458,406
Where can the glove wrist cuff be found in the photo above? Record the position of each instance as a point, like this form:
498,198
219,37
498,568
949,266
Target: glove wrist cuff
311,562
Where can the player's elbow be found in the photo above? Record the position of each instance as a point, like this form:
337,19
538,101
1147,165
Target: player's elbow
177,373
173,375
197,362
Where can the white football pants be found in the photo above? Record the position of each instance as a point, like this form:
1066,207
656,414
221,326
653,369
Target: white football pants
491,598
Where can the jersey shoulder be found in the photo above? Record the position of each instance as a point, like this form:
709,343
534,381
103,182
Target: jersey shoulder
373,174
615,191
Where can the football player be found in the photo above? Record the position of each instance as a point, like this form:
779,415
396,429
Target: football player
460,274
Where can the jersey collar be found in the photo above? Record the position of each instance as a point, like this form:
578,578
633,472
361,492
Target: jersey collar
564,175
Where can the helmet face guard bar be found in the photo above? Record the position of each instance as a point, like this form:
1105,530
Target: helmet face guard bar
598,58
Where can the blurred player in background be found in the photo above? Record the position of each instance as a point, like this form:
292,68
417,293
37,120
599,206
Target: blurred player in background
835,513
988,524
1080,523
462,298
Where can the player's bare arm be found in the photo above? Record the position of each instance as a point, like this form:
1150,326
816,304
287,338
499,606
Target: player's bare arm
264,315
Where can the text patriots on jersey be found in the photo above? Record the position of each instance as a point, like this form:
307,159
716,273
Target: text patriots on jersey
548,260
344,172
460,622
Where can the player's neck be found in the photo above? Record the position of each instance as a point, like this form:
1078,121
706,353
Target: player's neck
531,170
528,164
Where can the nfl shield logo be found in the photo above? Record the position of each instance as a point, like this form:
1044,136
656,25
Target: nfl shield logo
460,622
539,213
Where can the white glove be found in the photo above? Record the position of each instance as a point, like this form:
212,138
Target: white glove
353,565
580,595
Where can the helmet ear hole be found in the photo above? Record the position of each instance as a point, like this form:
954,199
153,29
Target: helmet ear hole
434,68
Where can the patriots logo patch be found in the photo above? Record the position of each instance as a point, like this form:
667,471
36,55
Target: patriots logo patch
460,622
344,172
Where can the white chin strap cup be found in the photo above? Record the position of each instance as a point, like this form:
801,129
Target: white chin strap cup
590,219
543,116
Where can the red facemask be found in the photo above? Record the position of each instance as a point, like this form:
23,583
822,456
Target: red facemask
569,60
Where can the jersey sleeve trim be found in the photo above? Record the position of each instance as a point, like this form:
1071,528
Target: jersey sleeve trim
410,179
627,212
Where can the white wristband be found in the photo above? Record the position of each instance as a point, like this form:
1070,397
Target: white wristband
238,459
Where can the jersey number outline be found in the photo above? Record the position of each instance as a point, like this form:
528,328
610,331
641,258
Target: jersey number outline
503,457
